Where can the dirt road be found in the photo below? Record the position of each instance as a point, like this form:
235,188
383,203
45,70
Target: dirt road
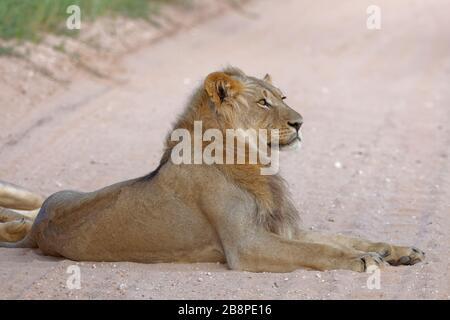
375,161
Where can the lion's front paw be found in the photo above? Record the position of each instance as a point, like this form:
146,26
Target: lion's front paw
367,261
405,256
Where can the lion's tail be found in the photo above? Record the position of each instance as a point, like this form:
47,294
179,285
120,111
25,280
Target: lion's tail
27,242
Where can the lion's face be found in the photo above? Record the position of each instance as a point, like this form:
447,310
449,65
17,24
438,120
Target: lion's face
267,109
249,102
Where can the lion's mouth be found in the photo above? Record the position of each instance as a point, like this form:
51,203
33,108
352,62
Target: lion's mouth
292,144
294,140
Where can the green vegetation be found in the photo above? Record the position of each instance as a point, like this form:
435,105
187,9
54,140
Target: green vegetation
6,51
27,19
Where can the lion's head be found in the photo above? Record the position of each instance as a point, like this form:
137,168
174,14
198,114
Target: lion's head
230,99
247,102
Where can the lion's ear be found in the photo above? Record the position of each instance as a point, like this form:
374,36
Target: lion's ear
267,78
219,86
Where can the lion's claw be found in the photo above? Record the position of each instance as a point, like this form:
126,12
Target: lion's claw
406,256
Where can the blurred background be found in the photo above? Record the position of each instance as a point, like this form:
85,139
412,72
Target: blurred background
83,108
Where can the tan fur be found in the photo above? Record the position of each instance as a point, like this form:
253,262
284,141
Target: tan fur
206,213
14,225
15,197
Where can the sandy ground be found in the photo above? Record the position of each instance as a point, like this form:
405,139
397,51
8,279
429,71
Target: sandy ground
375,161
57,60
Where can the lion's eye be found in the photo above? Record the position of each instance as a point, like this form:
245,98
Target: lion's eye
283,97
264,102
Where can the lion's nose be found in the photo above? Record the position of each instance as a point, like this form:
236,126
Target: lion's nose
296,124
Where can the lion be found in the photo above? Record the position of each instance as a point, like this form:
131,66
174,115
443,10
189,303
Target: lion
227,213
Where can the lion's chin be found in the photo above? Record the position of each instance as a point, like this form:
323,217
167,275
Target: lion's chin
293,145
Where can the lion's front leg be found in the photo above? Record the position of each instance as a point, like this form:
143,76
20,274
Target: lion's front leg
266,252
394,255
7,215
249,246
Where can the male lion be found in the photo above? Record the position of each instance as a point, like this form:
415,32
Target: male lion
206,213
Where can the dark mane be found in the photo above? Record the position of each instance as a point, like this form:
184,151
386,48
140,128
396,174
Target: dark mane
152,174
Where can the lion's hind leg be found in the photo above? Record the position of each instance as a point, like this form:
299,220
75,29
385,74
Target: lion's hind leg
14,225
13,231
15,197
7,215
